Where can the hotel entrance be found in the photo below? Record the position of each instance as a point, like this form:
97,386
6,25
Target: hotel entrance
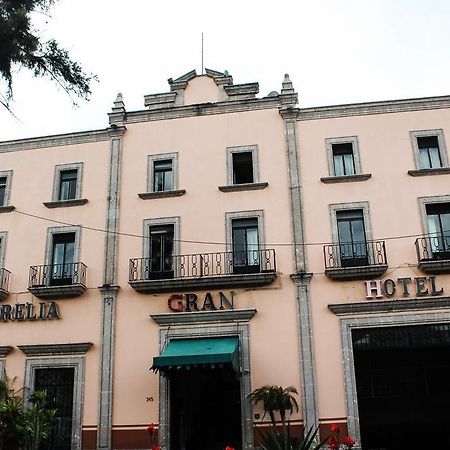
204,386
402,380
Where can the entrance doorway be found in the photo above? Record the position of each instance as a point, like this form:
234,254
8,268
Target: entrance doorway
402,383
205,409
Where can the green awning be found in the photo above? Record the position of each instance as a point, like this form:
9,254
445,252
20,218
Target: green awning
203,352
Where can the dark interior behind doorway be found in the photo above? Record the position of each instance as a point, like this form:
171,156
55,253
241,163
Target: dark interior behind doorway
402,379
205,409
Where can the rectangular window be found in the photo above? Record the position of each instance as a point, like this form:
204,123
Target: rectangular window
352,238
438,221
59,385
429,154
62,268
3,184
161,247
68,184
242,167
343,160
245,245
162,175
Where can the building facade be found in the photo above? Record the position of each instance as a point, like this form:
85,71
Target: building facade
216,242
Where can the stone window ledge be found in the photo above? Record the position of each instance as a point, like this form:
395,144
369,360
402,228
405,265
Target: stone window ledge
162,194
356,273
7,209
3,294
66,203
425,172
346,178
58,292
4,350
77,348
437,267
243,187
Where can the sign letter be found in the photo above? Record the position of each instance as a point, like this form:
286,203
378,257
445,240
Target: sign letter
371,287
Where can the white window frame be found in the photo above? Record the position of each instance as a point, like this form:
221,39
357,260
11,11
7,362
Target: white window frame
253,149
78,166
78,389
76,229
439,133
151,173
255,214
8,175
329,142
175,221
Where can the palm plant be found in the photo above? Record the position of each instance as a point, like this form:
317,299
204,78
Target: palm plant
275,398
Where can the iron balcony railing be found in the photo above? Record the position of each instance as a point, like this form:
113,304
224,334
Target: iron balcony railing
203,265
57,275
354,254
433,248
4,279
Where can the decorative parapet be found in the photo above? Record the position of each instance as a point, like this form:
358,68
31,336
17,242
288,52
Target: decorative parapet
119,114
242,91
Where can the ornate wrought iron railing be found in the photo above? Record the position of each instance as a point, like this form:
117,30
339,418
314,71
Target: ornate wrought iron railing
354,254
57,275
203,265
433,248
4,279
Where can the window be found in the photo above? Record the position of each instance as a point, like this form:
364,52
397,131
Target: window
161,251
162,172
162,175
343,156
67,183
438,221
352,238
5,183
63,259
242,164
245,241
429,149
343,161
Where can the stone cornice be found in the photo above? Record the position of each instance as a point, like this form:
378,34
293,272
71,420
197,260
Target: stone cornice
301,277
116,131
4,350
57,140
390,306
289,113
381,107
78,348
109,289
180,318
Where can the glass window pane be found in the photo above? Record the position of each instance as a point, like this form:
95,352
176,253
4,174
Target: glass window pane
424,158
435,157
2,195
242,167
252,246
338,165
168,184
349,165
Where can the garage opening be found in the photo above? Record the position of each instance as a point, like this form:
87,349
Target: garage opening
403,385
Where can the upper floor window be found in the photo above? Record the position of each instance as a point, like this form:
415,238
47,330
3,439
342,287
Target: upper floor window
5,185
163,175
63,251
67,182
352,238
429,149
242,164
3,181
343,159
438,221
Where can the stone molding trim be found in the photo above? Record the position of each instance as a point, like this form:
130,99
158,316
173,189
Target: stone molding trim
346,178
244,187
425,172
379,107
390,306
4,350
439,135
7,209
82,137
162,194
79,348
66,203
437,267
184,318
389,320
356,273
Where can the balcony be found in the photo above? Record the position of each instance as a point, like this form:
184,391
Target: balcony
433,254
203,271
4,283
54,281
355,261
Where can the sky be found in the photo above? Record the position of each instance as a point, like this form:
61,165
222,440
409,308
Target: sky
335,51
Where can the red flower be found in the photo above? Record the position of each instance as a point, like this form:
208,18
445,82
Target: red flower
334,428
229,448
333,443
156,447
151,428
349,442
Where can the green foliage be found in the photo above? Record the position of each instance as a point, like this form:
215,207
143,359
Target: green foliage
275,398
275,440
22,46
24,428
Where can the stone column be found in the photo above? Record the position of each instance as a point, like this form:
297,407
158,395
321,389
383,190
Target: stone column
109,288
300,277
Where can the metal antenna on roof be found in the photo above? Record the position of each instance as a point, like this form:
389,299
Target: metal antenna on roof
202,54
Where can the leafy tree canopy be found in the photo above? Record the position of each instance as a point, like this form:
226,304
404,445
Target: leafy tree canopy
22,46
